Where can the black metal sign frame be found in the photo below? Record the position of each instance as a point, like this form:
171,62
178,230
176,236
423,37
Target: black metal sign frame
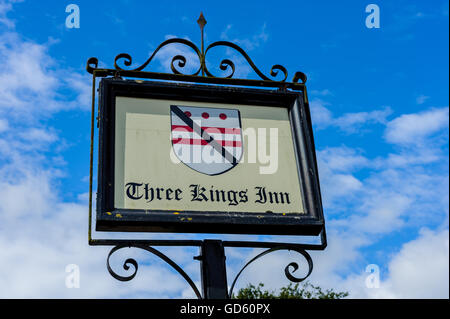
110,218
212,252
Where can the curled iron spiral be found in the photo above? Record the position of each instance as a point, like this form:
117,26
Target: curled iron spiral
92,64
180,58
226,62
287,270
132,262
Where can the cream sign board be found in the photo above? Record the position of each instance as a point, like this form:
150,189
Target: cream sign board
205,159
162,163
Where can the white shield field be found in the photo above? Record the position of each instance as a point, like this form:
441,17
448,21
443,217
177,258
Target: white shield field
208,140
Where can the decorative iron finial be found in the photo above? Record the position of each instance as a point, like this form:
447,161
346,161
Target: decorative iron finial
201,21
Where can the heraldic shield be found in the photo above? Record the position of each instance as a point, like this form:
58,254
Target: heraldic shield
208,140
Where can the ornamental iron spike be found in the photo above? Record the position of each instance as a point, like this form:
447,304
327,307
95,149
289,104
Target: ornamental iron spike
201,21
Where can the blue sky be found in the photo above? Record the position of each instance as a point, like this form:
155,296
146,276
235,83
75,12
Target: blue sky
379,103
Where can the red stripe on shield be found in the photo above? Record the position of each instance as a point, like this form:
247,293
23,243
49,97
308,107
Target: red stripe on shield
223,130
196,141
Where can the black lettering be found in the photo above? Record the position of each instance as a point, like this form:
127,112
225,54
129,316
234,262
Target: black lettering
261,193
178,193
197,193
279,198
132,190
149,194
232,198
243,196
219,197
275,197
287,198
169,191
158,192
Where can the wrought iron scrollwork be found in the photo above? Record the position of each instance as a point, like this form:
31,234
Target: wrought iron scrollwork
287,269
132,262
180,58
224,64
123,61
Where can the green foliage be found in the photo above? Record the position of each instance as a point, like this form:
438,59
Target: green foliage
298,291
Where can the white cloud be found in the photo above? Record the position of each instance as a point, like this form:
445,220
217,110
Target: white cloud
324,92
382,217
343,159
224,34
249,43
418,270
337,187
23,73
392,199
321,116
80,84
422,99
352,122
38,135
418,157
349,123
413,129
336,170
5,7
31,81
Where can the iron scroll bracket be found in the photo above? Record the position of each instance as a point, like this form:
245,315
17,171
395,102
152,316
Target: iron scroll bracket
212,258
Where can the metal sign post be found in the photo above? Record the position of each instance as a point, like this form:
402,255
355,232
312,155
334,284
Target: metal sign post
213,270
142,122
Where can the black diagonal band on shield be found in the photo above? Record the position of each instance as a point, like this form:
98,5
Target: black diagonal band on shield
203,134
